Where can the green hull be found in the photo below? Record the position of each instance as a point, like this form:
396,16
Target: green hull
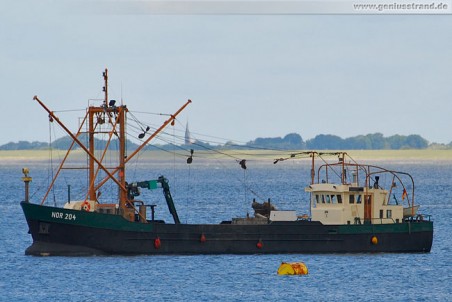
58,231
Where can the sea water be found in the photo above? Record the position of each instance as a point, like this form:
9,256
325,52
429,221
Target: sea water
210,193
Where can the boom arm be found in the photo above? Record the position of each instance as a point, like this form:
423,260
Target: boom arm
154,184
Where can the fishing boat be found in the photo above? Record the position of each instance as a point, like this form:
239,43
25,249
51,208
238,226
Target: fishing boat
350,210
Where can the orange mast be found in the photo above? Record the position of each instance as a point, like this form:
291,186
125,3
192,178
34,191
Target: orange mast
90,154
168,121
96,116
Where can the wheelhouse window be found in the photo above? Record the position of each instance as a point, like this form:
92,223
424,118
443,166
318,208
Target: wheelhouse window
358,198
326,199
336,198
352,198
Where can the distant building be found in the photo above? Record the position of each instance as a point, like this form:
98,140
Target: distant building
188,140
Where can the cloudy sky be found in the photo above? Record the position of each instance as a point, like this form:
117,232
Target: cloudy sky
248,75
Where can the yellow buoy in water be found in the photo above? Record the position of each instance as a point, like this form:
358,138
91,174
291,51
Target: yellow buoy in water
293,268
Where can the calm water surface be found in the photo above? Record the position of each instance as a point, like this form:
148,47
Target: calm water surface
212,193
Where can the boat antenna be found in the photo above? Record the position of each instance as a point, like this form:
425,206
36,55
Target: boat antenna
105,88
121,95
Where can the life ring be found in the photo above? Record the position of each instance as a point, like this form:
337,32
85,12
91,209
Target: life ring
86,206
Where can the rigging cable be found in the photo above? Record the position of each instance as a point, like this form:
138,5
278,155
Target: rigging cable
174,156
240,161
51,158
197,143
189,177
244,181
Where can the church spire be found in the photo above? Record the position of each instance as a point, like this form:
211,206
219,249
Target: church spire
188,140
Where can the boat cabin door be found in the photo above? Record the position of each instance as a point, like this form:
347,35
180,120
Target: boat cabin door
367,208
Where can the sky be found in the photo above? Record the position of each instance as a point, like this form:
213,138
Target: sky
248,76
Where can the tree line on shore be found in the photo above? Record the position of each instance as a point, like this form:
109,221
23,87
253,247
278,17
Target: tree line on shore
292,141
374,141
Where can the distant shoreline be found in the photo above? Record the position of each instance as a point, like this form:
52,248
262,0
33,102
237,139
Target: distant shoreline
38,156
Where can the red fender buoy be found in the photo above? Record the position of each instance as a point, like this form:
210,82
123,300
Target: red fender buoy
260,244
157,243
202,239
